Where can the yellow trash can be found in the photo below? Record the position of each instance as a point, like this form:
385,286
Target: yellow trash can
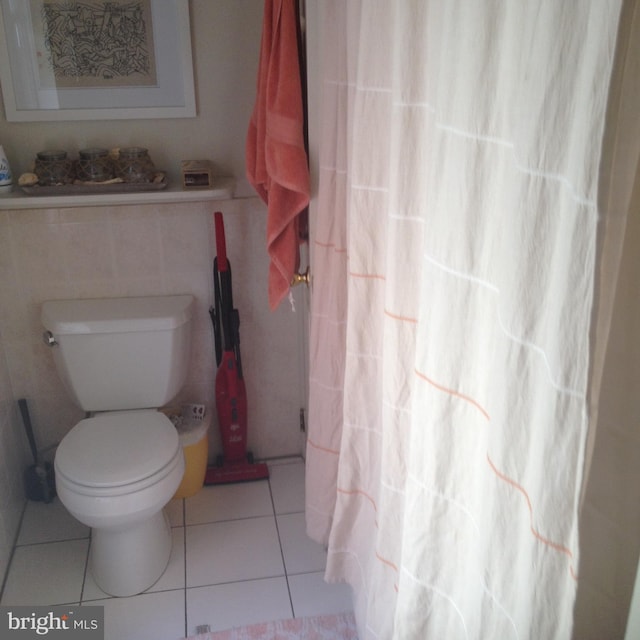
195,445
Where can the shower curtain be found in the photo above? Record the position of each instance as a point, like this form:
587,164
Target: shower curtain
453,252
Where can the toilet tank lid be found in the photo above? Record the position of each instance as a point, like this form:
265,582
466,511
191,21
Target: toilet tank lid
116,315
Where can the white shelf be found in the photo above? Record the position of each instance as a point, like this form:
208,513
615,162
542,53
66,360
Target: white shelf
223,189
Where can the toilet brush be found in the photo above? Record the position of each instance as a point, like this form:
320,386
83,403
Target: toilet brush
39,477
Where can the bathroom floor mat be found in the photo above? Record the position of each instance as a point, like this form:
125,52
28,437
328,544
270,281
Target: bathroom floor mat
329,627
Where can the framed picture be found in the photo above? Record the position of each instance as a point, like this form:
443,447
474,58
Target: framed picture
96,59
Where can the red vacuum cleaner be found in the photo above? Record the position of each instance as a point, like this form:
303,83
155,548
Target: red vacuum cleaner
236,463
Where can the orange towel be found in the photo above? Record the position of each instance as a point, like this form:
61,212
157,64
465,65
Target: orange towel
276,158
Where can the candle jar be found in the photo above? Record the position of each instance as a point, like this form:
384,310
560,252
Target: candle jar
94,165
135,165
53,168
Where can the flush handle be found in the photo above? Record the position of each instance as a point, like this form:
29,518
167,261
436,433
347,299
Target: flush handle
49,339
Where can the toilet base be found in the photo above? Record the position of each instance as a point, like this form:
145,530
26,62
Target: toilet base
127,561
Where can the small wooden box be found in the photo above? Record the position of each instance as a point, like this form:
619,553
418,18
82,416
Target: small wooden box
196,173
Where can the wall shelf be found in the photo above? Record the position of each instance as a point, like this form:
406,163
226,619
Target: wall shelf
223,189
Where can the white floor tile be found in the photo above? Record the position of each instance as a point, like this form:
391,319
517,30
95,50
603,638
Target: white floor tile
91,591
229,502
230,551
233,551
46,574
150,616
49,523
301,554
287,486
232,605
172,578
312,596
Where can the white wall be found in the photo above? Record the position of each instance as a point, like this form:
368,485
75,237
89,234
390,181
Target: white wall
143,250
225,38
13,460
610,520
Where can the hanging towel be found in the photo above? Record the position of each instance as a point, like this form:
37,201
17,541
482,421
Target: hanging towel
276,159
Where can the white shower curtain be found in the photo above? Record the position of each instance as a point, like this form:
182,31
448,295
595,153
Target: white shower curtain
453,253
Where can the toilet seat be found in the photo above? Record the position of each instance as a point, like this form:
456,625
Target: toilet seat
118,453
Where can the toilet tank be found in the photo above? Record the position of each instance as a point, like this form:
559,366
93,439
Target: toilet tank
120,353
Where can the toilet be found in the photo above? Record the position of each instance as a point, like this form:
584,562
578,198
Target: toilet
120,359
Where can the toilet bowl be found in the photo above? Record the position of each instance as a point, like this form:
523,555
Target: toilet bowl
120,359
115,473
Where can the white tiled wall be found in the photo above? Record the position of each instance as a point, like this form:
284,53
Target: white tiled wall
12,464
138,250
147,250
12,446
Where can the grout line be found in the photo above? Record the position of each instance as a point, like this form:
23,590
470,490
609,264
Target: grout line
290,513
284,566
86,568
56,541
228,582
208,522
184,539
106,596
308,572
282,460
13,550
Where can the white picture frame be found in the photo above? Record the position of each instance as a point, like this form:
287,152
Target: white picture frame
29,96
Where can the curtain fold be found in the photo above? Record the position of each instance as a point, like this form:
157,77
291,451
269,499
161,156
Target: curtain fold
453,252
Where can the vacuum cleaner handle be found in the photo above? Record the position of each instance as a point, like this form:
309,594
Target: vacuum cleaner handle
214,312
221,245
224,297
235,329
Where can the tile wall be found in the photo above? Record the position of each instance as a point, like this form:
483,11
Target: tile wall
127,251
13,460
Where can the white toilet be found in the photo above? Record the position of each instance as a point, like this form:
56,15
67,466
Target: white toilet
120,359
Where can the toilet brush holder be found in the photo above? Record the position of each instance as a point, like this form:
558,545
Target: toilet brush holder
39,478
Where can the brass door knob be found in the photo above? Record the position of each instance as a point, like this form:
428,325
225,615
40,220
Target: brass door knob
300,278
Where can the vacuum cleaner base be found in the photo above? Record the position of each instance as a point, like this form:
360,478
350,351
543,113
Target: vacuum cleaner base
236,472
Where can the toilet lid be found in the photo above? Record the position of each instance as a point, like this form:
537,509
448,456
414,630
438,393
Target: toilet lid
111,450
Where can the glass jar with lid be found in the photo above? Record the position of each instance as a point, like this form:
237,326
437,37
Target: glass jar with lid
53,168
94,165
135,165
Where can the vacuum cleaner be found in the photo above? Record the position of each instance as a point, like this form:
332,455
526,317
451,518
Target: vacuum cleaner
236,464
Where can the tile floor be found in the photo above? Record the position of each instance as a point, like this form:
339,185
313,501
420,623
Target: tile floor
240,555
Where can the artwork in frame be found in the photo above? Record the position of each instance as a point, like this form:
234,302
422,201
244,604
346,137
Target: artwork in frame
96,59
